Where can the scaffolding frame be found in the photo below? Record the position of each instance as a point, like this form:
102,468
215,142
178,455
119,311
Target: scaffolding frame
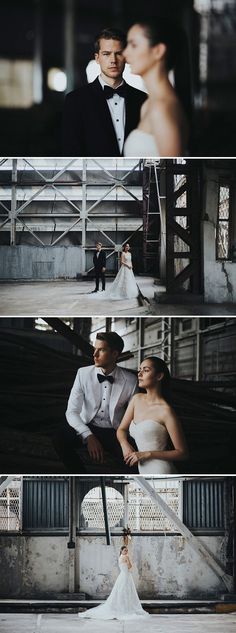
81,214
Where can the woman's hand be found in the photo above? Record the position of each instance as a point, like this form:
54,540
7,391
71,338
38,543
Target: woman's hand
127,450
137,456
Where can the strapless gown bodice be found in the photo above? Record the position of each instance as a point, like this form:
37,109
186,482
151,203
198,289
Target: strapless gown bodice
140,143
150,435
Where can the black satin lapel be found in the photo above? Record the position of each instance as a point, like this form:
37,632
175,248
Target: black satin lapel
129,114
103,113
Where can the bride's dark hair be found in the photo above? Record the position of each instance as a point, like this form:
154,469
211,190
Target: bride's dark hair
126,244
123,547
163,30
160,367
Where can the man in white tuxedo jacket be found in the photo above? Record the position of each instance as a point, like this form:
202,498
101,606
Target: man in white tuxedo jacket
96,405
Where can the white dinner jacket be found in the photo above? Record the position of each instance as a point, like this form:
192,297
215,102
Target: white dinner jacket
84,400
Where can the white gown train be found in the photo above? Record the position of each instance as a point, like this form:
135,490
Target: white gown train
123,602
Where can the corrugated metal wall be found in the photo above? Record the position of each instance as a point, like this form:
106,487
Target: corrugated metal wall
204,504
45,504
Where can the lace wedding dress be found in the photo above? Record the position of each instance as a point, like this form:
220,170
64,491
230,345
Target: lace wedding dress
123,602
140,143
150,435
124,285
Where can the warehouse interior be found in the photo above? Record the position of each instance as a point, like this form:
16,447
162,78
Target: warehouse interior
177,215
46,49
60,540
40,358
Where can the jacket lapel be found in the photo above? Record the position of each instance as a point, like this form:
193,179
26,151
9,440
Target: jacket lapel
129,112
94,391
103,114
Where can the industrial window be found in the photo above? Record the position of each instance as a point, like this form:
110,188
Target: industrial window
204,505
133,509
223,224
45,504
10,504
16,83
92,516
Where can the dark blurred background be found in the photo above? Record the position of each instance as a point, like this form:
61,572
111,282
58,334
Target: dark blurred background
43,42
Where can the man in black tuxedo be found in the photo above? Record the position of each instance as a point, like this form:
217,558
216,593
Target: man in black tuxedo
99,116
99,262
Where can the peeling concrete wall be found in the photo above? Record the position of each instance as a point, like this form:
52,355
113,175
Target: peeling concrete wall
219,277
162,566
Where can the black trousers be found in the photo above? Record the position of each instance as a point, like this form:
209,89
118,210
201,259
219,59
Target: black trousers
74,453
100,275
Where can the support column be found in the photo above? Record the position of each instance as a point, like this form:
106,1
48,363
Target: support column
72,535
84,215
13,202
69,43
104,503
38,53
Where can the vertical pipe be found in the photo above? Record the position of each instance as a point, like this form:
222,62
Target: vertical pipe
126,506
198,349
172,345
72,535
104,503
69,43
13,201
84,214
233,501
140,339
38,55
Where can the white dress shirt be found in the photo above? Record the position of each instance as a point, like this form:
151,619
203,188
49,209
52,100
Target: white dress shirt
116,105
102,417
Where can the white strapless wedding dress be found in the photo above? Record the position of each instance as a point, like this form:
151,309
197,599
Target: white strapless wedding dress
140,144
151,436
124,285
123,602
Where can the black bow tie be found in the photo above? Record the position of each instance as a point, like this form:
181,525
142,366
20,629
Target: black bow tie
110,92
102,377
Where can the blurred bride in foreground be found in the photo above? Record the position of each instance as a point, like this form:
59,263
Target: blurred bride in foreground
162,129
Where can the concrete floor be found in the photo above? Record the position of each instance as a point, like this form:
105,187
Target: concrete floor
73,298
70,623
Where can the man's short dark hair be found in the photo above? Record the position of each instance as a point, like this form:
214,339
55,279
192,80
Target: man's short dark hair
113,339
109,34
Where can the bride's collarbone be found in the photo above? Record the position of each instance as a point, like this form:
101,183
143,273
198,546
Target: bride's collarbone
146,419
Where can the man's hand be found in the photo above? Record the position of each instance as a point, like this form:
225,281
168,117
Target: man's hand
103,270
95,449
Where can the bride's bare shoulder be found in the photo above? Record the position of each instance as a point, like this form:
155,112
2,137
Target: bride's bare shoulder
138,397
167,112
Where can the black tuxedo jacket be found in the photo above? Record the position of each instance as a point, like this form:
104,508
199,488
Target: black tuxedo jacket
87,126
100,261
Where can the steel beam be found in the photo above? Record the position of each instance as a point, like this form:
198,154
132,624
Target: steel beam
104,503
13,202
198,547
